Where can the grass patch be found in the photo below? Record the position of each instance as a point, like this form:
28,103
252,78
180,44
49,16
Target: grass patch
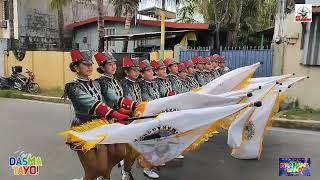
19,95
55,92
303,114
10,93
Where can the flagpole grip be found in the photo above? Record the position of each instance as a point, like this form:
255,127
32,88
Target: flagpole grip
257,104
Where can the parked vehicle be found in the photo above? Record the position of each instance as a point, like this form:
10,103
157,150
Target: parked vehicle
19,81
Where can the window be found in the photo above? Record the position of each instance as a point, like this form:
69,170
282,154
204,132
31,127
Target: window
84,40
108,32
311,42
5,10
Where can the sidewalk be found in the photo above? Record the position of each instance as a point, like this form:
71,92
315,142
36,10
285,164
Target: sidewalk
296,124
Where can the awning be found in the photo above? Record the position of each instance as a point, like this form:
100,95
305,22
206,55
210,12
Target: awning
148,35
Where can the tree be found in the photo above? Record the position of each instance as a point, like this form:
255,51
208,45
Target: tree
100,26
128,8
238,18
58,5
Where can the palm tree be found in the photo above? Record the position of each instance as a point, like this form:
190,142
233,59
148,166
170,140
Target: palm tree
100,26
128,7
58,5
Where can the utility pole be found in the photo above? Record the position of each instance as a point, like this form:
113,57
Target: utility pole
163,30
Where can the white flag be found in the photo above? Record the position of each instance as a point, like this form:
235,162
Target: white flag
233,80
270,79
184,127
255,128
236,129
184,101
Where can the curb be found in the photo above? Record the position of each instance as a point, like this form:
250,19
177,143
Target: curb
44,98
296,124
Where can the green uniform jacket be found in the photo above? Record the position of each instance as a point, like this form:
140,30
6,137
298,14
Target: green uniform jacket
191,82
177,85
149,90
208,76
164,86
131,90
215,73
200,77
84,95
111,90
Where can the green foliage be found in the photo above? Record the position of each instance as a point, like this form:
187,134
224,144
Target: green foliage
121,7
58,4
241,17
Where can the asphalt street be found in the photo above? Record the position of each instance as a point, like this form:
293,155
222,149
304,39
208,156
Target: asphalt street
32,127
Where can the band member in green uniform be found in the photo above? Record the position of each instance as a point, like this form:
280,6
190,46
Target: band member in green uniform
88,103
191,80
161,78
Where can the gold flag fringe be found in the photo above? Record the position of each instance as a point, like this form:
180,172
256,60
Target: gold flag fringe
80,143
209,132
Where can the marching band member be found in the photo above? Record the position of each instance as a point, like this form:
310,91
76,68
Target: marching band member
149,91
149,88
223,69
130,84
199,66
214,69
172,68
132,91
207,70
191,81
89,105
161,79
183,76
112,93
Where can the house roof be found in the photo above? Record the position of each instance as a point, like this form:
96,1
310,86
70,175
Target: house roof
142,22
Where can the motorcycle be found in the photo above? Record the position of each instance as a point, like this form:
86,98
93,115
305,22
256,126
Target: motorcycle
19,81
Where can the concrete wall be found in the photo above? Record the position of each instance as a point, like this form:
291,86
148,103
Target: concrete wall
307,92
90,31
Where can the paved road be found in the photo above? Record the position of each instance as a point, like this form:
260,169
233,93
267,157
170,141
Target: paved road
32,126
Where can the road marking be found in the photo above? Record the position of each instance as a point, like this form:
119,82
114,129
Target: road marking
298,131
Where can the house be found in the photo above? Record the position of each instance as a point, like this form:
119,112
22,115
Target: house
296,49
85,33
